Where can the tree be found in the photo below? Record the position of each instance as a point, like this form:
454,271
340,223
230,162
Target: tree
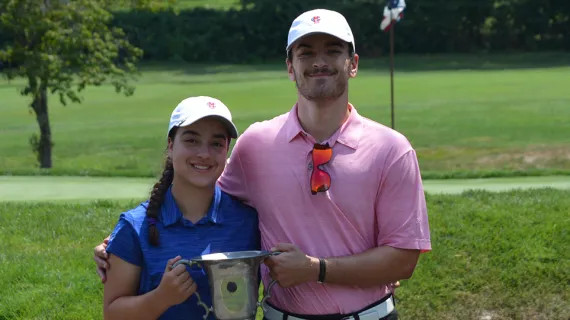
61,47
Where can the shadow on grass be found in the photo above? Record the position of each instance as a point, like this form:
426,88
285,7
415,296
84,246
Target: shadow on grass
403,63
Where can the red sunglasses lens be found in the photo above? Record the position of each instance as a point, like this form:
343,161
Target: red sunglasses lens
321,155
320,181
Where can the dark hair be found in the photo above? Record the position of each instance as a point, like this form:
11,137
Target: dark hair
157,196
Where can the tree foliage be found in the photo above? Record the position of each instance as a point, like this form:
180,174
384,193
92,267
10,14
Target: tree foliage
256,30
61,47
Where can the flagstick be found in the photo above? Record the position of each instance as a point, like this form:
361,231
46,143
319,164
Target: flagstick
392,71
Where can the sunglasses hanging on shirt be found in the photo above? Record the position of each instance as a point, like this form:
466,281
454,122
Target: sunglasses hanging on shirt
320,179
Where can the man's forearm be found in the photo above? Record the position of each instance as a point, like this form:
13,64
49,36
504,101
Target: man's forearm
374,267
146,306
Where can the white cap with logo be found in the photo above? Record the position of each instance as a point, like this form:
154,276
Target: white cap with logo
320,21
193,109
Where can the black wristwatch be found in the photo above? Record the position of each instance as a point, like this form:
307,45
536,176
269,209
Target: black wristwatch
322,270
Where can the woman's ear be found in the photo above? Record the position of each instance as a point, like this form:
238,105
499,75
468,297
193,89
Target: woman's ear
170,146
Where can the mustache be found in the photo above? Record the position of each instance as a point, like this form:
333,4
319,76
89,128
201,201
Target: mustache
321,71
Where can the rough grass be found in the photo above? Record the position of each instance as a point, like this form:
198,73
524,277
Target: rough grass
467,116
503,255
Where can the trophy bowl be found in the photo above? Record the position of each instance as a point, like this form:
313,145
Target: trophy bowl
234,283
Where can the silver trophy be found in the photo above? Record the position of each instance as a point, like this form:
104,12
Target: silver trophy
233,278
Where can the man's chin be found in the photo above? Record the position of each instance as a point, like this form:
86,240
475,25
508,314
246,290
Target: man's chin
321,95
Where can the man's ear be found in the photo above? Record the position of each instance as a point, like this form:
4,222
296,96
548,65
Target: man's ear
354,66
290,70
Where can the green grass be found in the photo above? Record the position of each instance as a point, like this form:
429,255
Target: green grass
503,254
467,116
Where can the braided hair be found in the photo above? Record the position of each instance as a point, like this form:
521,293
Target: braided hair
157,196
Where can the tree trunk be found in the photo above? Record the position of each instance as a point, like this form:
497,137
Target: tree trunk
44,145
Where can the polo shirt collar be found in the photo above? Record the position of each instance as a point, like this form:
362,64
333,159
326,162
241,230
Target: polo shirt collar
171,214
348,134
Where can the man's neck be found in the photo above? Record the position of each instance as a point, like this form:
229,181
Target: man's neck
193,202
321,119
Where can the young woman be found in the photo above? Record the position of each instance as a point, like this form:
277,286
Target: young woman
187,215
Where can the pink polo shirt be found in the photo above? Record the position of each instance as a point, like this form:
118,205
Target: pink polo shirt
376,198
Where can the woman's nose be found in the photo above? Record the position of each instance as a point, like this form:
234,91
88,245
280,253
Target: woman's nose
204,151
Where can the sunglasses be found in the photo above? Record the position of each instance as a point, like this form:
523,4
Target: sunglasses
320,179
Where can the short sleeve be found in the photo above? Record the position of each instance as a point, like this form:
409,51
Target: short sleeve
124,242
401,207
233,179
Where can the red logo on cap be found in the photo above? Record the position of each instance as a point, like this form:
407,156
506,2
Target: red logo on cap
316,19
211,105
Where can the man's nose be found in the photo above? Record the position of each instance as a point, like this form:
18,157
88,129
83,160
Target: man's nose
320,61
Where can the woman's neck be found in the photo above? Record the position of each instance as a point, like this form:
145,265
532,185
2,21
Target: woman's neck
193,202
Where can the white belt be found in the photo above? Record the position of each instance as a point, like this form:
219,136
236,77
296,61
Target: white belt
374,313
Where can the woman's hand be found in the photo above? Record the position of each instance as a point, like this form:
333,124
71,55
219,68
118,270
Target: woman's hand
176,284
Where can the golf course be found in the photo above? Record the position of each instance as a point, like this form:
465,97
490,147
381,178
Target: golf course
467,116
493,141
491,129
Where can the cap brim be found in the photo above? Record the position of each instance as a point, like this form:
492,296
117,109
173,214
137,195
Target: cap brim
346,39
228,124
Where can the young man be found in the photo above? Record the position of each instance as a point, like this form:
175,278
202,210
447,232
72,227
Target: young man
339,194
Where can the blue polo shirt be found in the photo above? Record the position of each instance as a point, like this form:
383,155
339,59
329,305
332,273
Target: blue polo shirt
230,225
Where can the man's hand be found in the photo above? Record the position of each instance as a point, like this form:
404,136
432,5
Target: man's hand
100,256
292,267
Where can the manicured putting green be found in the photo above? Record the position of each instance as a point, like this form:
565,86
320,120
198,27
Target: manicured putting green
59,188
47,188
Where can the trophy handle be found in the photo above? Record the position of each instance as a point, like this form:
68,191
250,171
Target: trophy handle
267,293
201,303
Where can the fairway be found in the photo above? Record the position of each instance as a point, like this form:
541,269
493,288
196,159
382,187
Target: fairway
478,122
83,189
504,254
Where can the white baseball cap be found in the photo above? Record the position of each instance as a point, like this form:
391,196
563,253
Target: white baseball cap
193,109
320,21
